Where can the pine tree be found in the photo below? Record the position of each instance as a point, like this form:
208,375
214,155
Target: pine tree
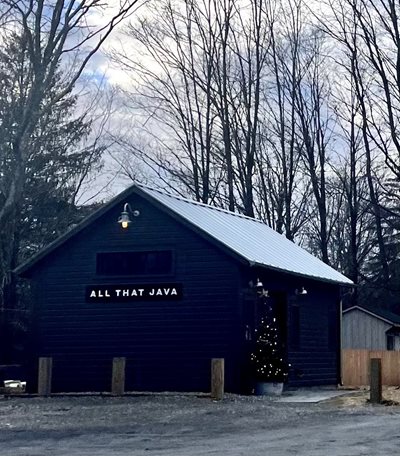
376,289
268,358
59,158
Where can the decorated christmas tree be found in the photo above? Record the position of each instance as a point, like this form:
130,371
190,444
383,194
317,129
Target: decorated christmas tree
268,357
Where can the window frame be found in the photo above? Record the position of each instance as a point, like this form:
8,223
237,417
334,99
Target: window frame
171,273
390,337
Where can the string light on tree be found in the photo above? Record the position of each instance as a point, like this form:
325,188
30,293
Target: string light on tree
268,358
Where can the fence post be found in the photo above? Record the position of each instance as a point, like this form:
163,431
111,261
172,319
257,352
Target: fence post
375,381
118,376
217,378
44,376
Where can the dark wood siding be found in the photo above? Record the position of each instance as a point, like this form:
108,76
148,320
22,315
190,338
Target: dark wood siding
313,352
315,361
168,344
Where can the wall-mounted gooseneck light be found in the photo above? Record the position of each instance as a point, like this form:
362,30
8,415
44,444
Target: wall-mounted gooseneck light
260,289
301,291
125,217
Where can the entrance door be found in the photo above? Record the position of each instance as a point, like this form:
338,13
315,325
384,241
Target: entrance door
254,309
279,308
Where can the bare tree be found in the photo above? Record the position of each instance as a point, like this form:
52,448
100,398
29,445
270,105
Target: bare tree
315,126
365,55
283,195
45,47
225,11
251,43
52,31
174,90
378,27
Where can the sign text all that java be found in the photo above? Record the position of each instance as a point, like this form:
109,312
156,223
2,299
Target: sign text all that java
129,293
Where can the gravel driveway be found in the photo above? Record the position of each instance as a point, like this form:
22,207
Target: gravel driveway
188,425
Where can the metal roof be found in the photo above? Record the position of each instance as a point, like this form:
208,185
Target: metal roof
251,239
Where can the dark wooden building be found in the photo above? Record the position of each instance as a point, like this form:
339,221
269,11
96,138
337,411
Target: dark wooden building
174,289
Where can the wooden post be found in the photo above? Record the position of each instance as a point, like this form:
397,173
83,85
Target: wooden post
375,381
118,376
44,376
217,378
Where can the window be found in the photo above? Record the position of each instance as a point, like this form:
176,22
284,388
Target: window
134,263
389,342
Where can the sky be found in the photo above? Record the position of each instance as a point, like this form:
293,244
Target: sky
99,86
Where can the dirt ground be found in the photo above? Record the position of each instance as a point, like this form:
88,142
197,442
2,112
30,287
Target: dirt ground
194,425
390,397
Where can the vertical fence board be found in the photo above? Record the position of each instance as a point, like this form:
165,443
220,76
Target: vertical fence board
118,376
45,376
355,367
217,378
376,380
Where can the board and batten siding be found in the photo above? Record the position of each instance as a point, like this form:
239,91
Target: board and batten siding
363,331
316,358
168,344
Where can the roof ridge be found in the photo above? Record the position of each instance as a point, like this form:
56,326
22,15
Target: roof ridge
198,203
380,312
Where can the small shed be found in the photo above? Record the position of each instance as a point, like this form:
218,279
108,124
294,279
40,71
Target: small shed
370,328
173,289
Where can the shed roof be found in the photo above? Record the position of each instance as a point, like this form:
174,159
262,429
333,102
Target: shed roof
248,238
382,314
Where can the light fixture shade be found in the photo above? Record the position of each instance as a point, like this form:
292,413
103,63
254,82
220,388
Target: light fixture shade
301,291
124,219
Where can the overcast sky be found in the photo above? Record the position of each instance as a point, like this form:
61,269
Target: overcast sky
102,75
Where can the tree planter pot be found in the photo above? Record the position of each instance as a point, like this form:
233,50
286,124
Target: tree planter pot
269,388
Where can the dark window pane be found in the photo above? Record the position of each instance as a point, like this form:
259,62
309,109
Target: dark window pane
389,342
134,263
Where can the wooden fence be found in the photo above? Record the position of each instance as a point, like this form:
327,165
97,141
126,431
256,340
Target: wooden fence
355,367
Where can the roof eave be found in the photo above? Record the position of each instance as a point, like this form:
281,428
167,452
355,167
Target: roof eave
370,312
24,268
299,274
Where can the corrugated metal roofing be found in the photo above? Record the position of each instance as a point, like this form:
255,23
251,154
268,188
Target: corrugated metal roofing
249,238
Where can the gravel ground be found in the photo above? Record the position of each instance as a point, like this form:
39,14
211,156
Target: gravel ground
194,425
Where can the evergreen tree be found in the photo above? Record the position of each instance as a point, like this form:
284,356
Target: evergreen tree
376,289
268,358
58,161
